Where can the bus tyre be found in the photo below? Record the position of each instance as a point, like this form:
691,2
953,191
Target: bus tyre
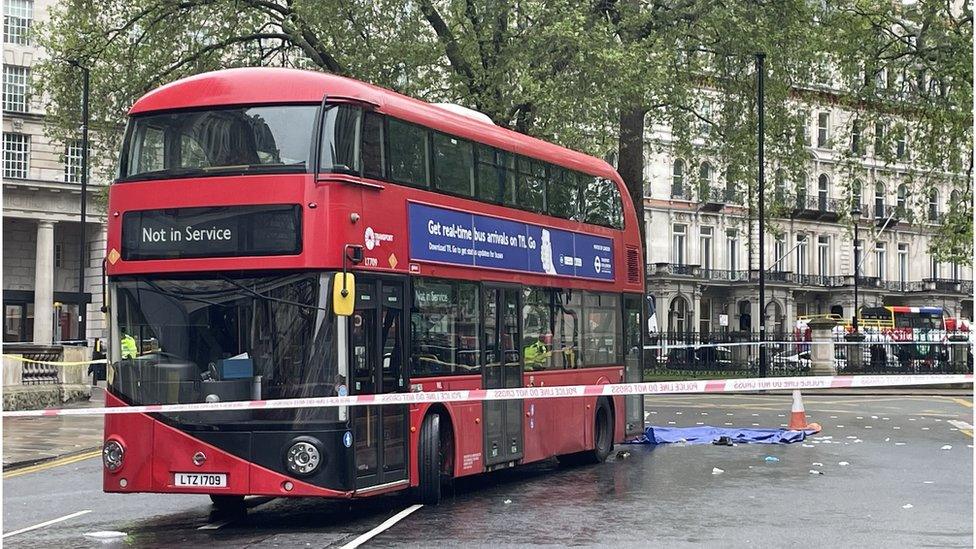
429,461
602,434
227,503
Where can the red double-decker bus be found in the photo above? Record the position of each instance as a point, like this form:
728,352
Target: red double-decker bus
481,259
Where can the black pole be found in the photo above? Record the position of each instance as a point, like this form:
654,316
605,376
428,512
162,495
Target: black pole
760,99
82,248
857,261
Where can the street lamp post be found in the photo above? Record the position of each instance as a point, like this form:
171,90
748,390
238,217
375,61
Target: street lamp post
82,247
856,213
760,100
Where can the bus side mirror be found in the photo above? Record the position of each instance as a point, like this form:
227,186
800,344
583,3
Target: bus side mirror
343,293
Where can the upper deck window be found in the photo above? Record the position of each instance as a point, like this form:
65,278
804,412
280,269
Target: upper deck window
226,141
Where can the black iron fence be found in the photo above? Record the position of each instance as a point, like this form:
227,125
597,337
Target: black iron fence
690,355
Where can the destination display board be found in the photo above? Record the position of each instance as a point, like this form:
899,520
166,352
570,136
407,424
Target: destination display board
461,238
224,231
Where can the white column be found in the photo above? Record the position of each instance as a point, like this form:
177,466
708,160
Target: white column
44,284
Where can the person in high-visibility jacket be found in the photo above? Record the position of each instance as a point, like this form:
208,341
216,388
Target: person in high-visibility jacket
129,349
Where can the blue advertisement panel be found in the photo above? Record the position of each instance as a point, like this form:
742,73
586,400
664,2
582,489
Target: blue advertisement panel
461,238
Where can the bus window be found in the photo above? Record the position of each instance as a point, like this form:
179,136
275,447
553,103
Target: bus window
602,333
408,153
373,160
453,169
444,328
495,176
564,195
601,202
340,139
567,314
215,141
532,185
537,330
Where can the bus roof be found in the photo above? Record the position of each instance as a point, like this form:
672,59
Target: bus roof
266,85
920,310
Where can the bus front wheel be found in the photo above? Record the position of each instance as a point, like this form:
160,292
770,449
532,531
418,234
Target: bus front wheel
429,460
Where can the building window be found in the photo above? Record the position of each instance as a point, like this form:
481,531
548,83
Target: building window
901,149
901,199
881,260
879,200
17,16
732,248
704,181
933,205
823,192
956,271
856,187
705,247
678,179
72,162
16,155
678,245
856,137
18,322
823,129
705,315
902,262
801,254
15,88
934,270
879,135
823,255
858,264
779,250
58,255
779,186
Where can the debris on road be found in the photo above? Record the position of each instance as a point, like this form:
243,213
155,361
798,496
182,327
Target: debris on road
816,472
717,471
771,459
507,501
623,454
907,506
946,447
105,535
817,464
843,463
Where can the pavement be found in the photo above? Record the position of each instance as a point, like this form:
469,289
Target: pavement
888,481
30,440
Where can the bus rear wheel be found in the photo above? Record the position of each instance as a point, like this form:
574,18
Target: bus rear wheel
602,434
429,461
602,439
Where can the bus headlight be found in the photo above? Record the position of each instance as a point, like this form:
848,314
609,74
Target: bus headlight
304,456
112,455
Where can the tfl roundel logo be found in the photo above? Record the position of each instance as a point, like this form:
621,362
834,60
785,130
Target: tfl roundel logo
370,238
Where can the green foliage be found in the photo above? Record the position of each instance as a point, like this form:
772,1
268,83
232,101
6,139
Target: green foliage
580,74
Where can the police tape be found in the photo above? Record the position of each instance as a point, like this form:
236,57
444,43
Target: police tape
568,391
804,344
54,362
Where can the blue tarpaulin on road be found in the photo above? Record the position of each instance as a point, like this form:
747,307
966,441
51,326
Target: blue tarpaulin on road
705,435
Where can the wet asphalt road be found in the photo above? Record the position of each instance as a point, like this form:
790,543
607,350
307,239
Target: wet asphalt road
899,489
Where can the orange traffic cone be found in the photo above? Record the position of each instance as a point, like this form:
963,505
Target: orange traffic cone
798,417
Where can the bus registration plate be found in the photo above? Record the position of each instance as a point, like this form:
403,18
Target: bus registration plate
208,480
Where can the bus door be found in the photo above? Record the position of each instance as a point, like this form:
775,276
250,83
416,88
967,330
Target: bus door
503,370
377,366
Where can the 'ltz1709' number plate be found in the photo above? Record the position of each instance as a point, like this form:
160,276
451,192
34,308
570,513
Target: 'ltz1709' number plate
200,480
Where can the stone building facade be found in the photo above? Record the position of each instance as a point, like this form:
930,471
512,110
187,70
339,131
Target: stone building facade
702,251
42,206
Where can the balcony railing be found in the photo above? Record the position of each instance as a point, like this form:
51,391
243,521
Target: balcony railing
681,192
964,287
815,207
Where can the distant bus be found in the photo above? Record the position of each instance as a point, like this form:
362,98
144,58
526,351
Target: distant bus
483,259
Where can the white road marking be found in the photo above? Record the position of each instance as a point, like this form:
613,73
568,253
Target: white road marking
960,424
215,525
385,525
47,523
